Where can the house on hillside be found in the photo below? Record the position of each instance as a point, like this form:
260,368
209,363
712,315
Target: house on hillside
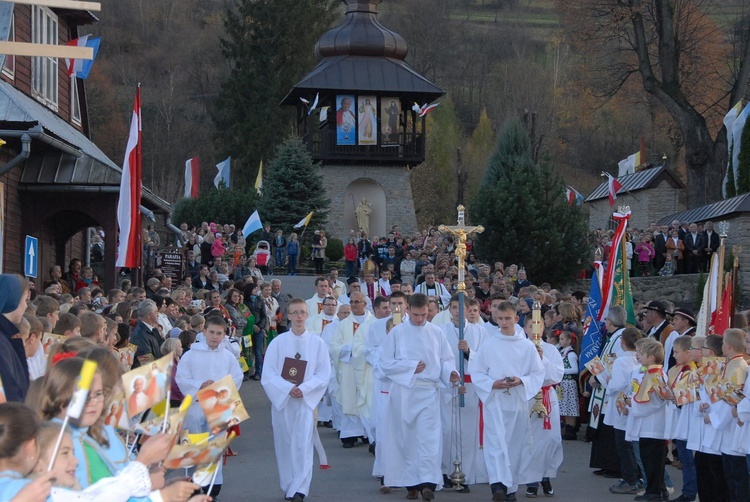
736,212
55,183
651,193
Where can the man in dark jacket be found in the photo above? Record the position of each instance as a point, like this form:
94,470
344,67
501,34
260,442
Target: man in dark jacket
13,368
146,333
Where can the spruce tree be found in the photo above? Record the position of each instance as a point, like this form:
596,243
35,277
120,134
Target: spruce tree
268,45
220,205
292,187
526,217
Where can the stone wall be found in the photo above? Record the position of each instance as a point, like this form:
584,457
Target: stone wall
678,289
391,194
647,206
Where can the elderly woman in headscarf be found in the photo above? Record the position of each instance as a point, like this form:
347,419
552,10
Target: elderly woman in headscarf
14,371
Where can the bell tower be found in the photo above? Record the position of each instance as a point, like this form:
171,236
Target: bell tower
364,130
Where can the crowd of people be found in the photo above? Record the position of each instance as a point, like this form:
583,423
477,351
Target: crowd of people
680,248
375,354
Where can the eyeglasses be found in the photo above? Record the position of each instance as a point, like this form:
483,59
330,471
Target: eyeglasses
96,396
296,312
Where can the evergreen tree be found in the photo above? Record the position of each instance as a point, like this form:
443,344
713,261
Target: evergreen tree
526,217
293,186
743,171
220,205
268,44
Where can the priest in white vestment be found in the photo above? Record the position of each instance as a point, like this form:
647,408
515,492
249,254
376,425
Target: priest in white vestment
333,385
374,340
347,365
316,324
205,363
417,359
293,405
470,454
506,371
544,458
322,290
363,370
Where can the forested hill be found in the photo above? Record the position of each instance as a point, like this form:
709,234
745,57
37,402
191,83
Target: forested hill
495,59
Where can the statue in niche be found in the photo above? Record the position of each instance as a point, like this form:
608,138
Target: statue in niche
362,214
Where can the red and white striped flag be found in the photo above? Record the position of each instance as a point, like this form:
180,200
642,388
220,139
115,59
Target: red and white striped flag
192,177
613,186
129,205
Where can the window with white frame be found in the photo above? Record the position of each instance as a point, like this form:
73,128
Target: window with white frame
75,104
9,65
44,69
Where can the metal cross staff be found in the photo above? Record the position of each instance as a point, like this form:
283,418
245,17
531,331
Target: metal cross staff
461,231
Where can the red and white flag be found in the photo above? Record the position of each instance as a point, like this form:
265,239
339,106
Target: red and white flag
129,205
613,187
192,173
608,282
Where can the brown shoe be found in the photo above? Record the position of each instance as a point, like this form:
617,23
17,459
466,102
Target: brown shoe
428,494
385,489
412,495
498,496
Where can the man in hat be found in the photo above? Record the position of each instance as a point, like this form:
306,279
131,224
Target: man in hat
656,317
683,321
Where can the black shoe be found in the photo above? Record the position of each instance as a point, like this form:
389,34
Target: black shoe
532,492
547,488
447,483
428,494
371,448
647,497
348,445
511,497
298,497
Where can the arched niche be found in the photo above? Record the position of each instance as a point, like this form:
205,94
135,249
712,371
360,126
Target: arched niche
375,195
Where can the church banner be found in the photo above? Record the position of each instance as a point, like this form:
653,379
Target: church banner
346,120
390,111
367,120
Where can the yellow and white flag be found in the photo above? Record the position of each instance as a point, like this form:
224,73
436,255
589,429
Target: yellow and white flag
304,221
259,179
627,166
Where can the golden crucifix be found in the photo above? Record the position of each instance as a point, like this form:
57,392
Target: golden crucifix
461,231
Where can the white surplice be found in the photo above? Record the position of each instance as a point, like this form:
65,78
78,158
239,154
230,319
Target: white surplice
381,387
545,456
196,366
292,418
506,412
471,454
347,365
412,447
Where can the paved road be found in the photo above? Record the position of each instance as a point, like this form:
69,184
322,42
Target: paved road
252,475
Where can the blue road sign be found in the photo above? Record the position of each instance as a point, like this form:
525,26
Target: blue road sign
31,257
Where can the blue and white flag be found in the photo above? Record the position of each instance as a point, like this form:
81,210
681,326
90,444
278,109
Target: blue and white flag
81,67
223,174
591,345
253,224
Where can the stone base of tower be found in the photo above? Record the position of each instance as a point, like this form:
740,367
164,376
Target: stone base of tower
386,188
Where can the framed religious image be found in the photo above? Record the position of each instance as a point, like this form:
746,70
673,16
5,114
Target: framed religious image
390,113
367,120
346,120
147,385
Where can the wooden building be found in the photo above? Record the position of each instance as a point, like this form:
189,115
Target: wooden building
55,183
